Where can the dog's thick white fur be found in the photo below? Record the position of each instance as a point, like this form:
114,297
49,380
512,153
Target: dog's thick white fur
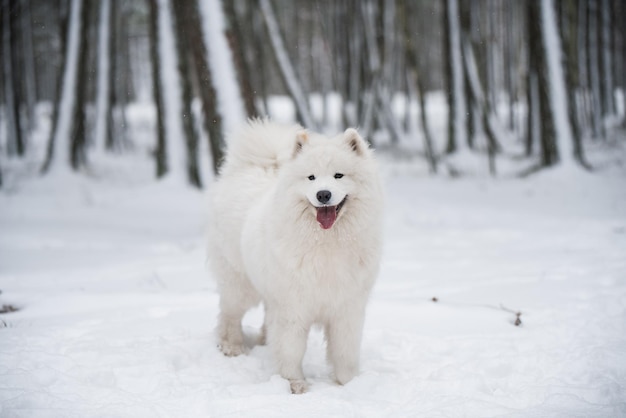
296,224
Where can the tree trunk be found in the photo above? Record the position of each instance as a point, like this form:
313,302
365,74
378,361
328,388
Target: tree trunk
593,60
160,153
287,71
582,94
103,104
213,121
565,139
509,65
557,138
17,63
377,95
234,36
569,34
533,113
620,68
184,56
260,76
60,144
78,155
63,34
608,105
30,78
112,139
457,105
479,98
490,45
372,64
15,144
175,139
121,78
413,66
545,119
355,79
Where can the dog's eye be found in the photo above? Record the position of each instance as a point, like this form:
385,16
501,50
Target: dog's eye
311,177
338,175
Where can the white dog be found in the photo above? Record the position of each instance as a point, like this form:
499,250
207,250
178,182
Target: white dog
296,224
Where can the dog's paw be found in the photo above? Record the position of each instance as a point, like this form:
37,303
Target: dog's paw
345,374
298,386
231,350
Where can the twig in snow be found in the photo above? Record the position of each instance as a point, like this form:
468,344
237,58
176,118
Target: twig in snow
8,309
518,314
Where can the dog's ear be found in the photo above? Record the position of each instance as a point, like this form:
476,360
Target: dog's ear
355,141
302,137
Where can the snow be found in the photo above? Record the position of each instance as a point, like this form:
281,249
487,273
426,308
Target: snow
220,59
117,309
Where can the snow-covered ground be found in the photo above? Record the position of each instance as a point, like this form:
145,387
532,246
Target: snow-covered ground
117,309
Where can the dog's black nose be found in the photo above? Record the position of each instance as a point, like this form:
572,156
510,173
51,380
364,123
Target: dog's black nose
324,196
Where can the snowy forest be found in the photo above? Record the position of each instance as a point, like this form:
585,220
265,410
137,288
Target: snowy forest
533,80
498,128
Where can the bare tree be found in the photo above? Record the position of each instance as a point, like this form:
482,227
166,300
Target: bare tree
570,28
15,141
235,41
480,102
118,78
212,119
160,152
287,71
593,61
457,105
28,74
557,139
482,113
413,68
380,56
59,143
103,103
619,48
605,20
78,156
539,110
509,61
184,56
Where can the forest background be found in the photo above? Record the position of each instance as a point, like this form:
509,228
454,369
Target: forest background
528,81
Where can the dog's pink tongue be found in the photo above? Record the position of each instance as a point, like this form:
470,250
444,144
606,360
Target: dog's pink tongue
326,216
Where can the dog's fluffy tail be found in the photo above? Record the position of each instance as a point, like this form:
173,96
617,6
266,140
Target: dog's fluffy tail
262,143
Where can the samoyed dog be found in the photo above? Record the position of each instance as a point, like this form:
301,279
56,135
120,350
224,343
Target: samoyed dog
296,225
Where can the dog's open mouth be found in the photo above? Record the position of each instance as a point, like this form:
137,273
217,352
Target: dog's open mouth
327,215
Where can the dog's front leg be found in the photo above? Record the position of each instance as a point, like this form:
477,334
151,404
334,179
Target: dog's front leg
287,339
343,337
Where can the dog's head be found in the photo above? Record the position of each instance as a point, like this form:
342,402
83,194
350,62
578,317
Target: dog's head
330,172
